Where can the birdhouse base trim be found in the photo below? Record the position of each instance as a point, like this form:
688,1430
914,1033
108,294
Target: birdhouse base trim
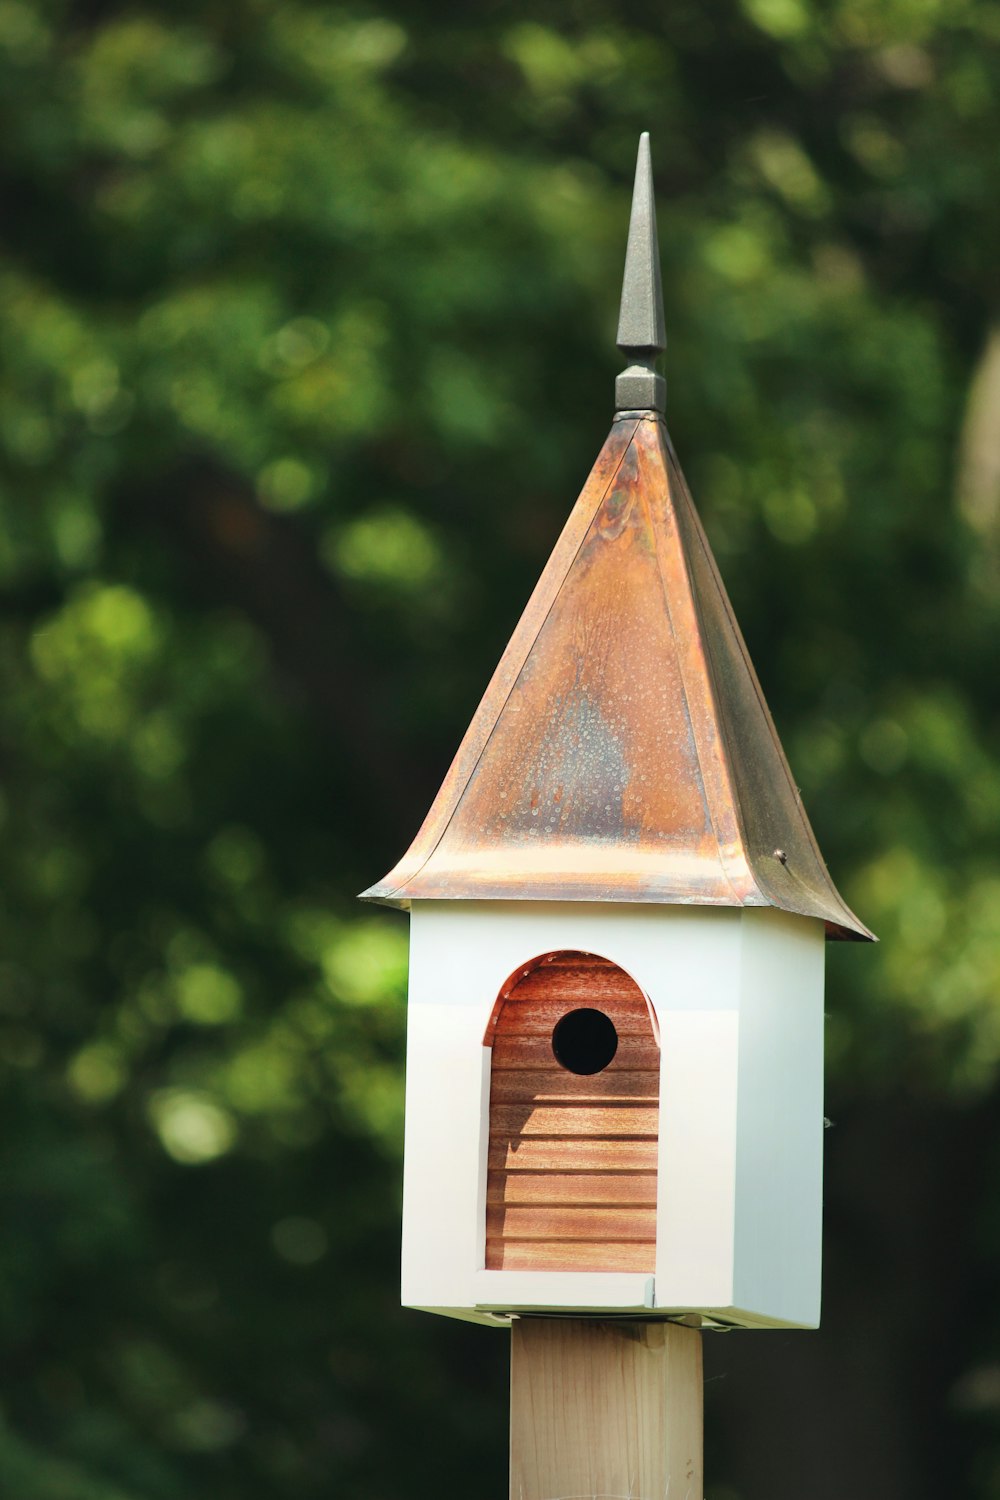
562,1291
602,1302
603,1295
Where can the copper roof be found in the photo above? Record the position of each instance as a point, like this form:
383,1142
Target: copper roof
623,750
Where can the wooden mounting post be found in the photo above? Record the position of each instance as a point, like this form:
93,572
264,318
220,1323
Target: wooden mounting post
605,1410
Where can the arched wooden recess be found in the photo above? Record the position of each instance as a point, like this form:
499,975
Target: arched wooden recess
573,1143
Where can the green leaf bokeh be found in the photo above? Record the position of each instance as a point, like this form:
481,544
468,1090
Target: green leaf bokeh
307,317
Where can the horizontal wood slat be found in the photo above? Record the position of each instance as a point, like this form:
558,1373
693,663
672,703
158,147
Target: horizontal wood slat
538,1017
569,1155
568,1255
613,1189
512,1052
543,1222
572,1157
538,1085
608,1121
571,958
583,983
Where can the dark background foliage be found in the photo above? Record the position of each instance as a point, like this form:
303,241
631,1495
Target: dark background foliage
307,316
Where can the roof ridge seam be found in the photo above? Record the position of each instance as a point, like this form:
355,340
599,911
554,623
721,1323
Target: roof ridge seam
685,691
850,921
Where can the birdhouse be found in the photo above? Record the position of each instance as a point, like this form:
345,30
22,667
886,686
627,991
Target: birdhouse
618,911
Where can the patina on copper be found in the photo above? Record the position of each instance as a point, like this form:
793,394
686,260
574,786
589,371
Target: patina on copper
623,750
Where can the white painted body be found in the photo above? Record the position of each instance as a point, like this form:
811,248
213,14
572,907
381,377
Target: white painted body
738,997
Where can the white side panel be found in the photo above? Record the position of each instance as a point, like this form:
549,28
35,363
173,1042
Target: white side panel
696,1182
779,1199
666,949
443,1181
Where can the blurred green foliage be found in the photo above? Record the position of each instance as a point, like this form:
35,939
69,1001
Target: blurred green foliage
307,315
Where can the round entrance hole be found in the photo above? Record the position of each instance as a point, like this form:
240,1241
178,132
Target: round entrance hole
584,1041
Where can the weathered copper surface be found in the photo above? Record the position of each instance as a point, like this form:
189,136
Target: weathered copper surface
623,750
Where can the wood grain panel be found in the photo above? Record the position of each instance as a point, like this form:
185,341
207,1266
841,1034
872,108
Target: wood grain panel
568,1255
537,1017
572,1157
513,1052
537,1086
582,1188
568,1222
575,983
609,1121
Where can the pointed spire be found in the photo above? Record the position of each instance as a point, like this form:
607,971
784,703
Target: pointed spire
641,328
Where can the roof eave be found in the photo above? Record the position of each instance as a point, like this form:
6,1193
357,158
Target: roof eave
841,925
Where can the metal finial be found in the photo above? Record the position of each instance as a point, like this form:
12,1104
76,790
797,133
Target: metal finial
641,328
